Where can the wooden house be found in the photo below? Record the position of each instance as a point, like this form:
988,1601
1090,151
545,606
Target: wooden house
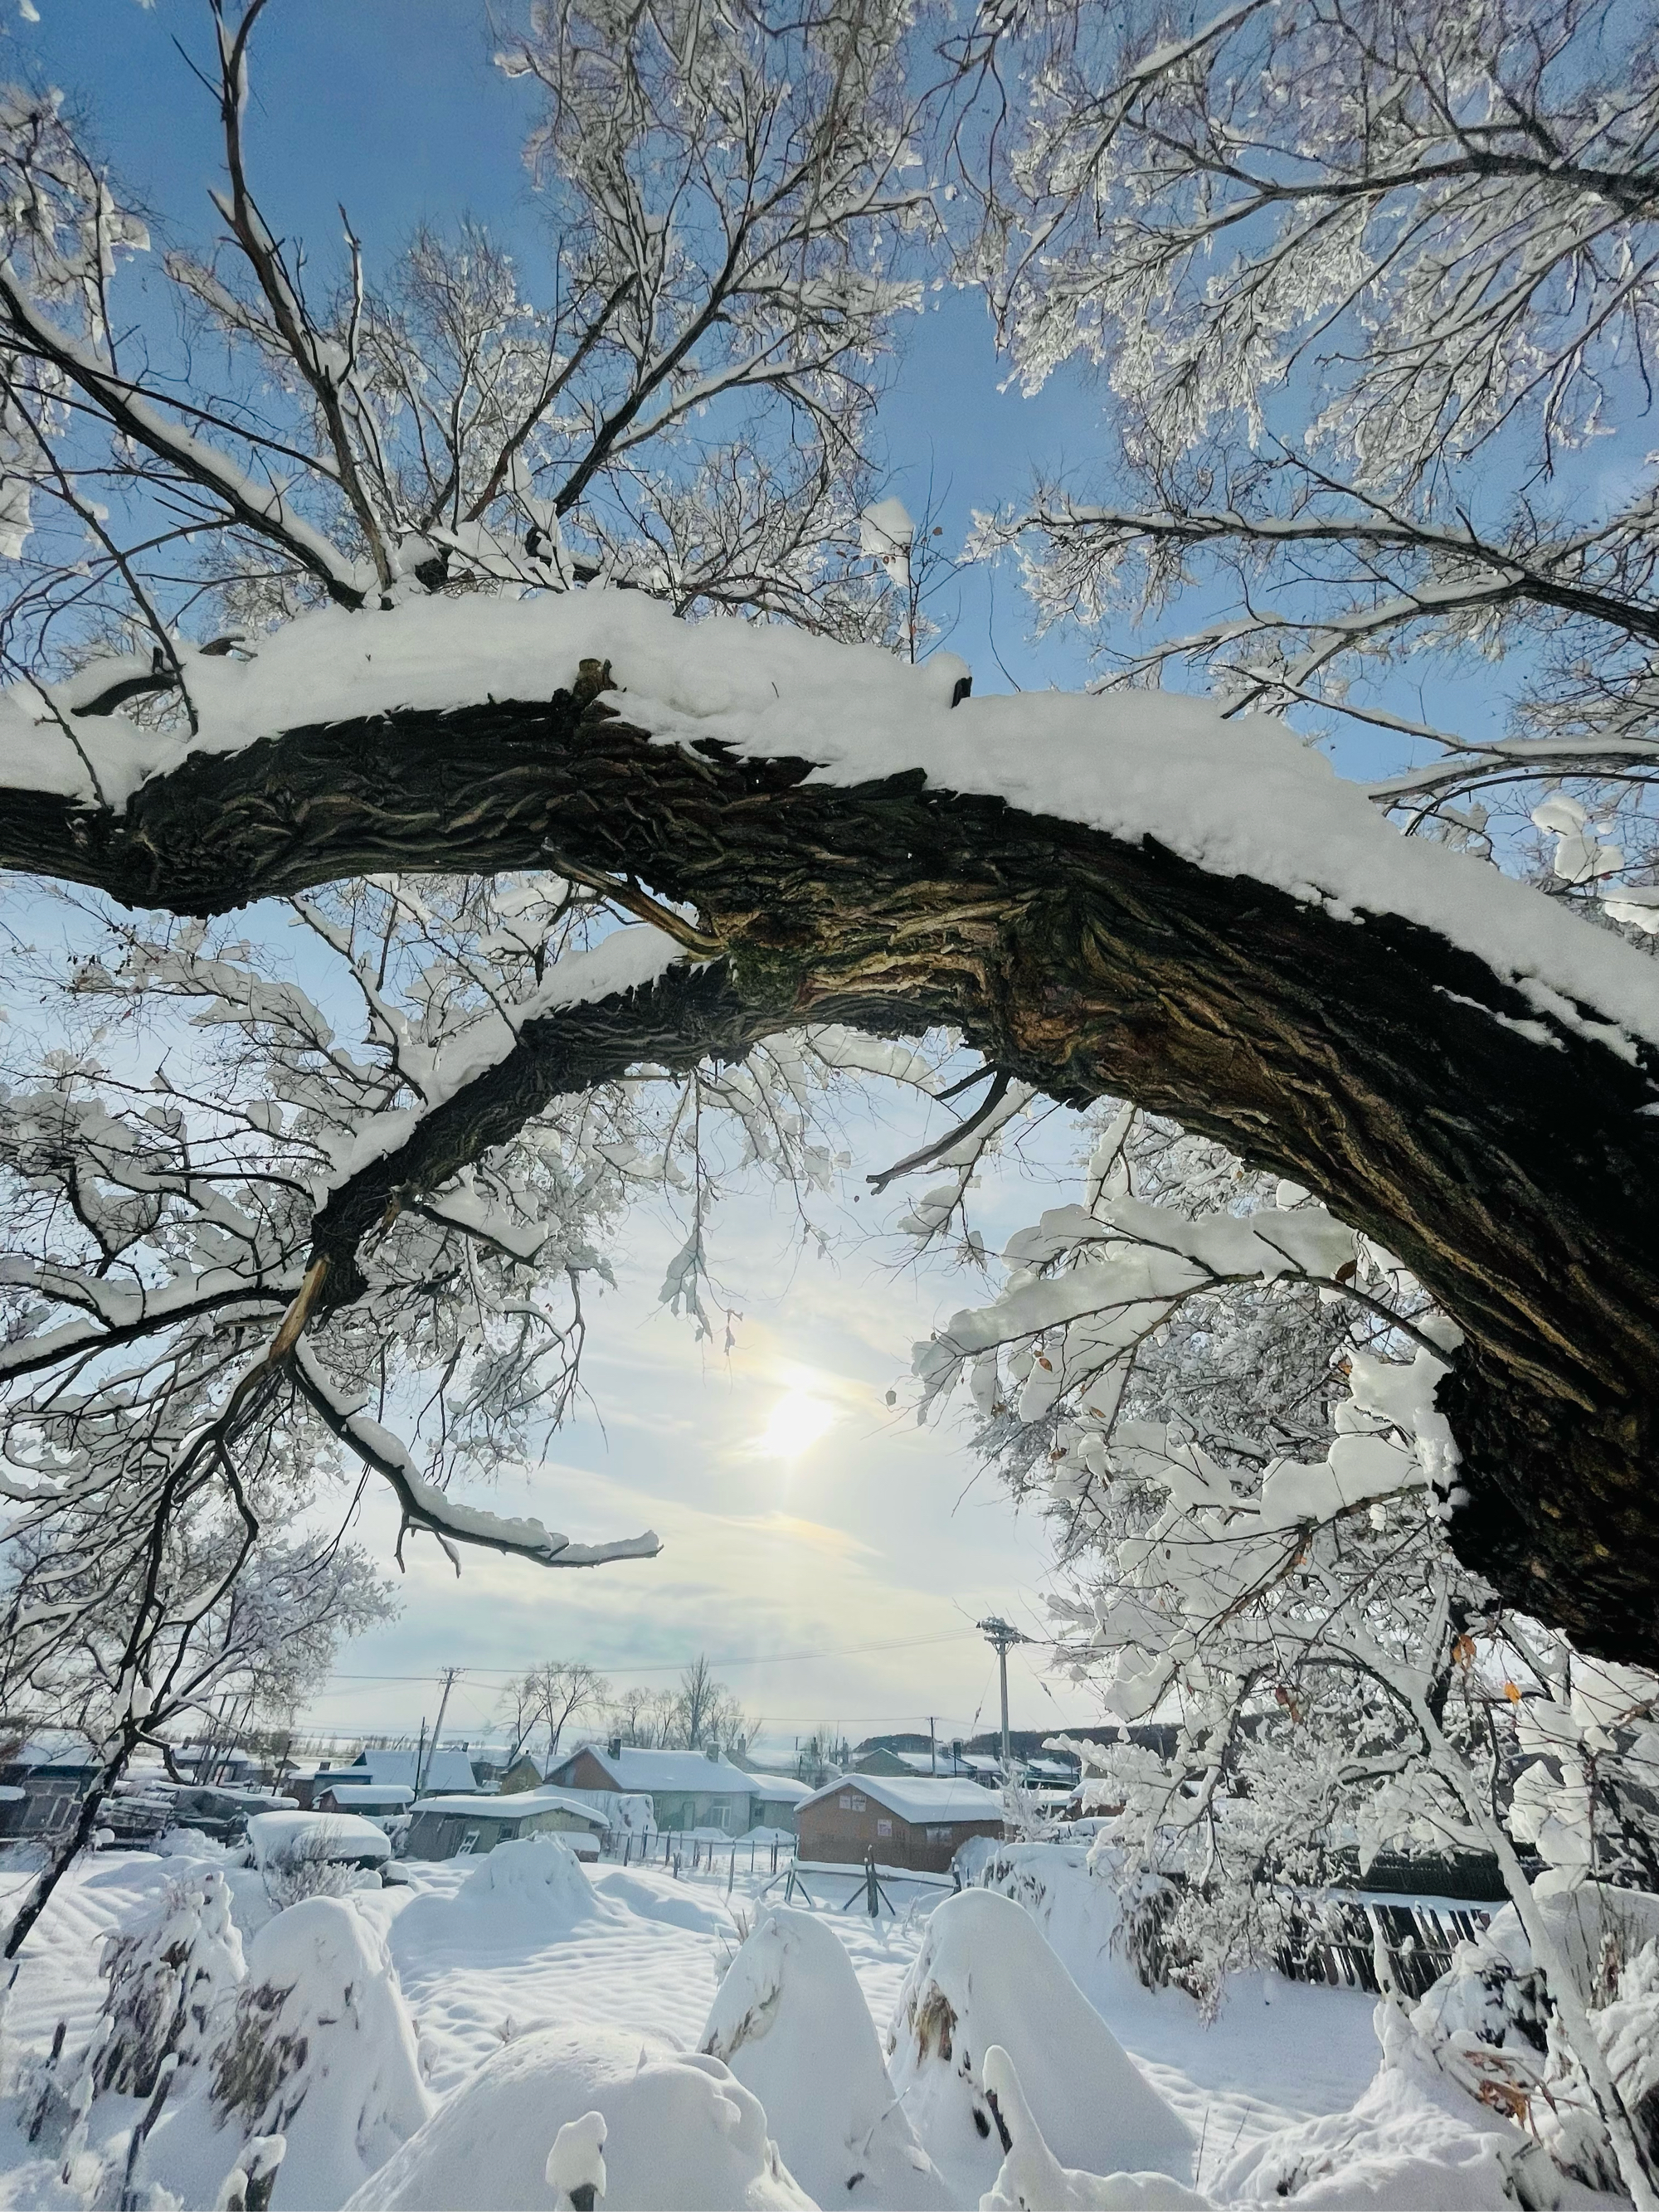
913,1822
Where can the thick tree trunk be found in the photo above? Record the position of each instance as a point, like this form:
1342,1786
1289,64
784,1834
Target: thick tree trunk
1504,1156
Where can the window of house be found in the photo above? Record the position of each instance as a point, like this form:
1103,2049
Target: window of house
846,1802
938,1835
469,1843
883,1827
859,1805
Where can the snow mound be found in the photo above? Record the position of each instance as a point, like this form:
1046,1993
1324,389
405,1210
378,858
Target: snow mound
792,2023
678,1907
1032,2180
191,1844
532,1873
321,2050
1412,2140
679,2134
985,1975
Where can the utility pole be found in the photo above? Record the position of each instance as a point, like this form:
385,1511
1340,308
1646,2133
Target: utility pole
933,1747
450,1673
998,1633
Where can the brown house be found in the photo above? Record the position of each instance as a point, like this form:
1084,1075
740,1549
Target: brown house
913,1822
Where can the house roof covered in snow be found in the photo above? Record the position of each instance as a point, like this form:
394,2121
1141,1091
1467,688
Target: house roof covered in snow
515,1805
448,1767
354,1795
948,1800
777,1787
690,1772
52,1747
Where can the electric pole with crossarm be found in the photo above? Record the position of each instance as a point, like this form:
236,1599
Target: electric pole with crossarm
997,1631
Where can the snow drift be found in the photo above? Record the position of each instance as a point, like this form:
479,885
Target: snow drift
680,2134
985,1975
538,1875
792,2023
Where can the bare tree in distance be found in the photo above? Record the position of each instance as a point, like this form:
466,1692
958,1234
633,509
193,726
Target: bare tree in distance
556,1692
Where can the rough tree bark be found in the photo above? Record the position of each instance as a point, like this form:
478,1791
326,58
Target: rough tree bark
1515,1173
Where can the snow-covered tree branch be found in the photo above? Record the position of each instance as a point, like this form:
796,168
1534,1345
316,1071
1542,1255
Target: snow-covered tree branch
1219,929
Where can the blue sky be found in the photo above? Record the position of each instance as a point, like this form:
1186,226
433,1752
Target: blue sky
799,1572
393,108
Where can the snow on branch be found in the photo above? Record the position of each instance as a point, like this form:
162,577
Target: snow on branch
1248,800
426,1506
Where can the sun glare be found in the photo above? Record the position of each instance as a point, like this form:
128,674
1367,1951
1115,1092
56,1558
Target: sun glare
796,1424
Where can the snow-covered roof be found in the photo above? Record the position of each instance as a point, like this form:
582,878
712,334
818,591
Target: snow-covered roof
276,1836
778,1787
650,1771
947,1800
348,1794
447,1768
513,1805
55,1747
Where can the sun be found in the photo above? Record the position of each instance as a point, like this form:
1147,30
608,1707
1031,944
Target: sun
796,1423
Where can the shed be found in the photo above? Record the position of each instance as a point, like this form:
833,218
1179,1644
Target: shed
916,1821
453,1827
373,1800
778,1799
688,1789
53,1772
447,1768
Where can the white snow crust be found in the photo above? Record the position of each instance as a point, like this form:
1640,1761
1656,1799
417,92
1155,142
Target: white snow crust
1239,799
274,1837
681,2135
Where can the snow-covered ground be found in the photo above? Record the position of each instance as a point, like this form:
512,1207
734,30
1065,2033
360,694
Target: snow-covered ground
575,1983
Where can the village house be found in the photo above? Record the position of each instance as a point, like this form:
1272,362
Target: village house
777,1799
522,1774
453,1827
379,1802
446,1769
687,1789
913,1821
